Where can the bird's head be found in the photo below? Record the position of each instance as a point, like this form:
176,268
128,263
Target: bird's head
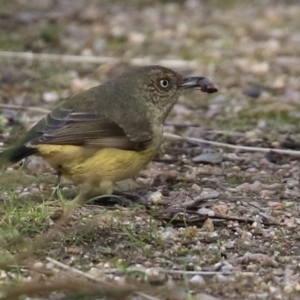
159,87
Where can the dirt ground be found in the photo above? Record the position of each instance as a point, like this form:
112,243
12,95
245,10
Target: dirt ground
216,222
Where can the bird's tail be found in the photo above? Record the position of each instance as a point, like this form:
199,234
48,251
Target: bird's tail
16,154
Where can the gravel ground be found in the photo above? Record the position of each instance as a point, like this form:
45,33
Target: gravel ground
217,222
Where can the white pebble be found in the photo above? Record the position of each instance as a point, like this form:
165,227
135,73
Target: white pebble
223,278
156,197
120,280
38,265
154,275
168,235
50,96
197,280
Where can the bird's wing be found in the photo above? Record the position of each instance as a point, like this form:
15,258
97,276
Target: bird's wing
67,127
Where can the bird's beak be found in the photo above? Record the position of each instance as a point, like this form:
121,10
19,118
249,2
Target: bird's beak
203,83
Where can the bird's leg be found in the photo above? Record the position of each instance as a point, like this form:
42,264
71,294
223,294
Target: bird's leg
83,196
58,179
131,196
122,188
57,184
102,190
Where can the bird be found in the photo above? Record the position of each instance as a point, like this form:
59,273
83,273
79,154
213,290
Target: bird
107,133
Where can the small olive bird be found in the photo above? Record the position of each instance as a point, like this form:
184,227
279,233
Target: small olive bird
109,132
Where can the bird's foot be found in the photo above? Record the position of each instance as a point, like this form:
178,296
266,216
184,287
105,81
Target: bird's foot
120,198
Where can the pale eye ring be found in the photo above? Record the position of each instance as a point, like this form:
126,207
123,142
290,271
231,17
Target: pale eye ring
164,83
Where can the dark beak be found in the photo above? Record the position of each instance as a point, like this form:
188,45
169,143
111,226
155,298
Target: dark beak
203,83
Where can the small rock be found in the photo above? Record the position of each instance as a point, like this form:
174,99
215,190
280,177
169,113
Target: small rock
224,279
156,198
229,245
211,158
96,272
118,31
72,250
260,68
253,91
203,296
275,205
267,194
120,280
99,45
38,265
197,281
220,209
289,288
291,183
195,187
168,234
260,258
207,193
50,96
206,212
256,186
136,38
89,14
208,225
289,204
288,193
155,276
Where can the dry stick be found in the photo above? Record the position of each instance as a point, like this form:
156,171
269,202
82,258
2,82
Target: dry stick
205,216
89,276
65,283
230,146
77,271
207,273
171,63
223,132
184,272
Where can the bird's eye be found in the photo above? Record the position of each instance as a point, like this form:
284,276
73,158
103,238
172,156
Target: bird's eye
164,83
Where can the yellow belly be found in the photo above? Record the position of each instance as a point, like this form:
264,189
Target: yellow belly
82,164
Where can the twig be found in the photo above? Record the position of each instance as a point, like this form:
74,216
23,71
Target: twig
230,146
202,217
71,285
169,271
171,63
29,108
145,296
89,276
77,271
206,273
223,132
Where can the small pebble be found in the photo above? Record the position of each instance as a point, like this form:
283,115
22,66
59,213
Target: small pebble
120,280
50,96
156,198
38,265
155,276
195,187
197,280
224,279
220,209
208,225
168,235
211,158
